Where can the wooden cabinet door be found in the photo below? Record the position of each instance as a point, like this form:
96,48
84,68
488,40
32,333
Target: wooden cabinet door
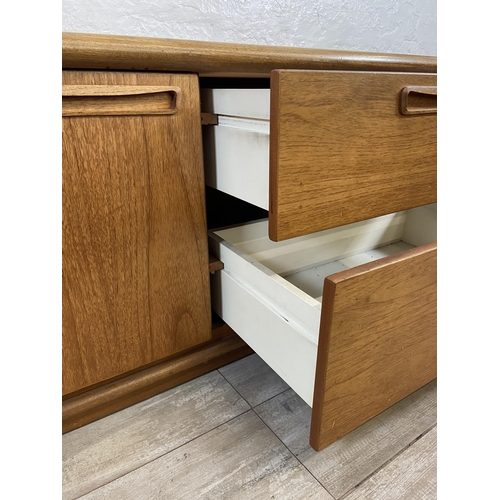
135,259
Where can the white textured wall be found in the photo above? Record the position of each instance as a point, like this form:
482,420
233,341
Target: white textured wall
398,26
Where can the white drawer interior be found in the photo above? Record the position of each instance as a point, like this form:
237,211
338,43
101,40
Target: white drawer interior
244,103
270,293
237,149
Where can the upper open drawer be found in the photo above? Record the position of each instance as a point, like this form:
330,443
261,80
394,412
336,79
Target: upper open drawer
325,148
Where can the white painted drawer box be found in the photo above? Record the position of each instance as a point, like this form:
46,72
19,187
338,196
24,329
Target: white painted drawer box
237,150
272,295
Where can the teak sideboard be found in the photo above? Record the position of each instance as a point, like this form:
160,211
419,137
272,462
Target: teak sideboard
223,199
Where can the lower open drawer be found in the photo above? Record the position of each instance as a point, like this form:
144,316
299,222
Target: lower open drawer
347,316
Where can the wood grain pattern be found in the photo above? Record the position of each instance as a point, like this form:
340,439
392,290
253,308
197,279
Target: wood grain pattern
341,152
411,475
135,259
120,443
96,51
350,460
116,90
103,401
239,460
377,340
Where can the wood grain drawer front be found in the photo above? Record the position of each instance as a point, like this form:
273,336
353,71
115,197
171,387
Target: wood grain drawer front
346,316
377,341
341,150
135,260
341,147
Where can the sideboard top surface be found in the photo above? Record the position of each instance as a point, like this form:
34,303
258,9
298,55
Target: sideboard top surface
218,59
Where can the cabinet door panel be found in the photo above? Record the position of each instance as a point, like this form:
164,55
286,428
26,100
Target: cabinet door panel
135,260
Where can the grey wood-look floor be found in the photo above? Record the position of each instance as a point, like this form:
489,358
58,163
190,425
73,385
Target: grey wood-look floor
241,433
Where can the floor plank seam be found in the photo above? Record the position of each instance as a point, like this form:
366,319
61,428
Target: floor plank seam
247,402
163,454
400,452
317,479
294,455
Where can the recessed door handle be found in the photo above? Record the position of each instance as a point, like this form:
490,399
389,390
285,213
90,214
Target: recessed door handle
418,100
105,100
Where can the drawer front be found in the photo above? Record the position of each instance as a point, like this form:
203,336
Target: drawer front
377,341
342,148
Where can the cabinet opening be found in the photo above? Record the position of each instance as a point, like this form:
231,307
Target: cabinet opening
225,210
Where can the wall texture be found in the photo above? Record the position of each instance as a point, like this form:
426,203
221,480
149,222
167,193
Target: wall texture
397,26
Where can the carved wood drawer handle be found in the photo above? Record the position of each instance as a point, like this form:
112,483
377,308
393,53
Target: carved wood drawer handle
108,100
418,100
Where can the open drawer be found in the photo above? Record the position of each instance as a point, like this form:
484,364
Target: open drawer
321,149
347,316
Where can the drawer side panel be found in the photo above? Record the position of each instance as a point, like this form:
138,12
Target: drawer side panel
236,163
290,353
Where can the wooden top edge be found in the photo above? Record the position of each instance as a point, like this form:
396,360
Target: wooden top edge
97,51
347,274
